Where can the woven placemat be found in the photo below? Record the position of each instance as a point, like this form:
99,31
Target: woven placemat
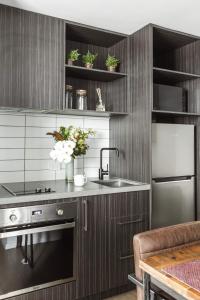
188,272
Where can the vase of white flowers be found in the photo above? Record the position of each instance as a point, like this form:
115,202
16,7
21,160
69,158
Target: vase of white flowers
69,170
70,143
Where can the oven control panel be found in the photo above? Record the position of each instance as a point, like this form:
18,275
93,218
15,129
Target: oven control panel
35,214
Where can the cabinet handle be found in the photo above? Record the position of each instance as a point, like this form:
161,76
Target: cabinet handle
130,222
126,257
85,227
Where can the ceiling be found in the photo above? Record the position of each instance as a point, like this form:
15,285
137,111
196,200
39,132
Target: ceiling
124,16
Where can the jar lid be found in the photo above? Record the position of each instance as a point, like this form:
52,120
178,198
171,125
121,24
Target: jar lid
68,87
81,92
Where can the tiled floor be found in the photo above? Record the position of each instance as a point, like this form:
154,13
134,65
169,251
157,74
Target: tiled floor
127,296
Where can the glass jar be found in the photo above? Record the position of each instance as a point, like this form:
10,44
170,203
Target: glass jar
81,99
68,102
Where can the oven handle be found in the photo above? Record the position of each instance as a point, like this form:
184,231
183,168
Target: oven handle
37,230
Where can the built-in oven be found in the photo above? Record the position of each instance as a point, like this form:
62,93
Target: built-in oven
37,247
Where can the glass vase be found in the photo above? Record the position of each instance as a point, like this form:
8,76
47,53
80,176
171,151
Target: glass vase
69,171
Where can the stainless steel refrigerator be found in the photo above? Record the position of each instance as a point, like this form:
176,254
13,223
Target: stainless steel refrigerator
173,173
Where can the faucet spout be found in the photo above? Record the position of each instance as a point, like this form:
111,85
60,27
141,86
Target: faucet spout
103,172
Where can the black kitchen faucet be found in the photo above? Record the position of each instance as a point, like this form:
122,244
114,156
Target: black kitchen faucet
103,172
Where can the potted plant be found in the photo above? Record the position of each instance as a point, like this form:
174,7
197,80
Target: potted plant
111,63
70,143
88,59
73,56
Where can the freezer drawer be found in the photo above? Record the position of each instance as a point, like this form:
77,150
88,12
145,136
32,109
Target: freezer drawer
172,150
173,202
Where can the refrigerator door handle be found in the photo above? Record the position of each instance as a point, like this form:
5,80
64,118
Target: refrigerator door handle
173,179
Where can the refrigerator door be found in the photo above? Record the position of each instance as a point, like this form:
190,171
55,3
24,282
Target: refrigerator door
173,202
172,150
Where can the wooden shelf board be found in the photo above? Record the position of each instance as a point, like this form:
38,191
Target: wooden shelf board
175,113
167,76
92,74
94,113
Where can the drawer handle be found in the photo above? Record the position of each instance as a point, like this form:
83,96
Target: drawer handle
130,222
85,227
126,257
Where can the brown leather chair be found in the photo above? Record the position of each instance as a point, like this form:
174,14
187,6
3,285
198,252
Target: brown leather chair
160,240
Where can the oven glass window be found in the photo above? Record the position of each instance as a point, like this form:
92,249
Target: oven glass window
30,260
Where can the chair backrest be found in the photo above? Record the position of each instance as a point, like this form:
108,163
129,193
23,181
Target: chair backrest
160,240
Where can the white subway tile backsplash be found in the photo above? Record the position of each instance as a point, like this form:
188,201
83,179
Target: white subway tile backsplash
11,165
38,132
95,162
7,154
96,123
12,143
41,121
25,147
38,143
68,121
40,175
12,120
12,176
91,153
37,154
11,132
98,143
31,165
91,172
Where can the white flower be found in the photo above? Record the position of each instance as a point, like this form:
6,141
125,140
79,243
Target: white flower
62,151
53,154
68,147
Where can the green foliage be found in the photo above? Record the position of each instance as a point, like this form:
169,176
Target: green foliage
73,55
112,61
89,58
76,135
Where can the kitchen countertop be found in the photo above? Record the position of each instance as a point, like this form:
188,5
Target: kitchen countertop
65,190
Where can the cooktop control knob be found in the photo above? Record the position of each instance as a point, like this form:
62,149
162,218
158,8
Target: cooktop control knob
60,212
13,218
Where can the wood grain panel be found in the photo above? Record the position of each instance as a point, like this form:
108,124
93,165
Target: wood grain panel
61,292
31,59
132,135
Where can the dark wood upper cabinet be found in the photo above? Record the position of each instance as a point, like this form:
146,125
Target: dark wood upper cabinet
31,59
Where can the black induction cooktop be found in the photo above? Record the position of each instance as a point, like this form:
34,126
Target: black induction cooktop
27,188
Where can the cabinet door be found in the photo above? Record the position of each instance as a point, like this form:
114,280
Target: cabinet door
31,59
128,215
91,246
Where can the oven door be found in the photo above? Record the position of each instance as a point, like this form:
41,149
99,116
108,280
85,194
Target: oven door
36,256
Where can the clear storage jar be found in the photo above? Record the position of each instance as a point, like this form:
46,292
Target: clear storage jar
81,99
68,102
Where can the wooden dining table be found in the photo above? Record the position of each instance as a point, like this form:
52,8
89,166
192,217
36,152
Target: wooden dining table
155,267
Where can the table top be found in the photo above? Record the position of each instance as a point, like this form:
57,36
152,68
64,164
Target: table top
154,267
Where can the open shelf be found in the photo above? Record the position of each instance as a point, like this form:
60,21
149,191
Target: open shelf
175,113
165,40
94,36
92,113
92,74
166,76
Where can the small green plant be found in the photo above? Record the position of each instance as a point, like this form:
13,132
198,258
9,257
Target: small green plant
73,55
112,61
89,58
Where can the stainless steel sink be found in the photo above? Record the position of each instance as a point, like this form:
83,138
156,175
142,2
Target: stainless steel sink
116,183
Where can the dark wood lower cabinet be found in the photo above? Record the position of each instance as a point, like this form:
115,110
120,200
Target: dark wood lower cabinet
105,228
61,292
